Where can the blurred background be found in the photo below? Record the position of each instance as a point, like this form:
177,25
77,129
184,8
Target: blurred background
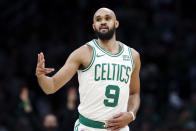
163,31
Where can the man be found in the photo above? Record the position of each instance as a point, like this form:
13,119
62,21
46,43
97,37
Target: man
108,74
50,123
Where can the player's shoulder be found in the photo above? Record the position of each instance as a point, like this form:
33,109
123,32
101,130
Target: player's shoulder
83,52
134,52
85,48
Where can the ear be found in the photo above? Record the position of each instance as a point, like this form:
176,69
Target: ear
116,24
93,26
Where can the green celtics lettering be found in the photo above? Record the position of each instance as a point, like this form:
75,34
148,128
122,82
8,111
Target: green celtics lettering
113,72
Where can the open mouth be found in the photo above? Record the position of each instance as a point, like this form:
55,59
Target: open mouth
103,28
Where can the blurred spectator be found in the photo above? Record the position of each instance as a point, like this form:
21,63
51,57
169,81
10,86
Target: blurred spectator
50,123
70,113
25,113
24,96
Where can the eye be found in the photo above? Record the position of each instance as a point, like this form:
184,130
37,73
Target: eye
108,18
98,19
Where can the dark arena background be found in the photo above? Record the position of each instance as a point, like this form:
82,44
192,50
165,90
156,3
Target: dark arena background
162,31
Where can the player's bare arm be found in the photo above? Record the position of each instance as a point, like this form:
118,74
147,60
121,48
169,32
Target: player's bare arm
80,58
134,98
124,118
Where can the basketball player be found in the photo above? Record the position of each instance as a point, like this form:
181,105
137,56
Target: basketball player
108,74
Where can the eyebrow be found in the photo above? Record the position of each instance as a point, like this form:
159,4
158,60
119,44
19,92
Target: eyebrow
105,15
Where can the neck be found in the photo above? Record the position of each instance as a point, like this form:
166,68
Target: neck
109,45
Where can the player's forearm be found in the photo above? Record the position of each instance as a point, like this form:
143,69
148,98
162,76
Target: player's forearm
134,103
47,84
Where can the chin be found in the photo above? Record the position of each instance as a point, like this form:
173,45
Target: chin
103,32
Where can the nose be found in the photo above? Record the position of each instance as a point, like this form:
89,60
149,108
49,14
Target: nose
103,22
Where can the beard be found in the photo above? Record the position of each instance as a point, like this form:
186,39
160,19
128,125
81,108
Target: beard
106,35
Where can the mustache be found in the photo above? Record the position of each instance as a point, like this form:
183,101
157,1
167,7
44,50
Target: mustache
103,27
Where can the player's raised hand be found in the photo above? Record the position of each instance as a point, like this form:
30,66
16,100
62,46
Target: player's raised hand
40,69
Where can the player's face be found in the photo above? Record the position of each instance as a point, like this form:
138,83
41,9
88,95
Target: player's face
105,24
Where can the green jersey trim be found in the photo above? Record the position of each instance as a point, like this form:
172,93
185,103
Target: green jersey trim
76,127
131,56
107,52
92,59
91,123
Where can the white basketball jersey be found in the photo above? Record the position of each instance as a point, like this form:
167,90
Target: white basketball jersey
104,84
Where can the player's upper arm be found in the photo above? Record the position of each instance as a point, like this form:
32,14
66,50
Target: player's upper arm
69,69
135,79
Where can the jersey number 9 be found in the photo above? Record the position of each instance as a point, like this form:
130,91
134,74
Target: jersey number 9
112,94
